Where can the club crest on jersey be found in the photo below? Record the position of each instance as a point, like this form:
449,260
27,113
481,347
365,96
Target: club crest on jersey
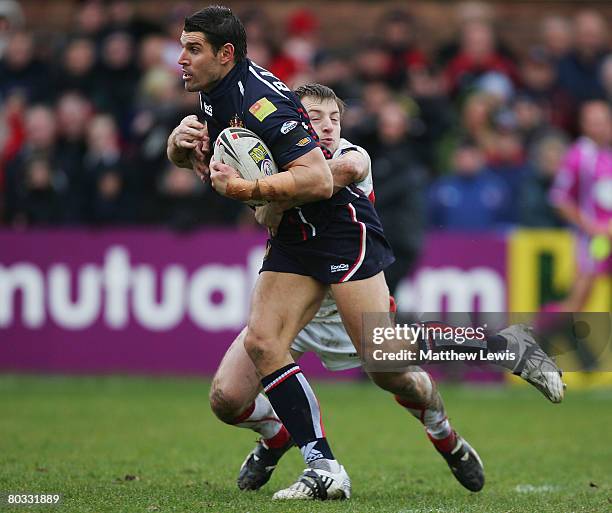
262,108
236,122
303,142
288,126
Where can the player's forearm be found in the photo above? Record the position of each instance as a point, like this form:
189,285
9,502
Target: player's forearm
345,171
291,187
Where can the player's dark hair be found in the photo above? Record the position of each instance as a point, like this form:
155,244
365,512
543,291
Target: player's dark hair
320,92
219,26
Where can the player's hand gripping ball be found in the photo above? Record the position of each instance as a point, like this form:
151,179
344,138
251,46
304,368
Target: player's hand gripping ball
246,153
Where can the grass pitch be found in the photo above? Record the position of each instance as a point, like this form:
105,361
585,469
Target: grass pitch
152,445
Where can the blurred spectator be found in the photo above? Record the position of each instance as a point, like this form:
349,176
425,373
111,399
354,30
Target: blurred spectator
180,202
118,77
39,143
184,202
465,12
477,122
398,31
399,184
91,19
302,38
122,17
73,115
360,121
556,36
77,72
20,71
11,19
535,209
579,71
333,68
111,203
105,174
477,56
471,198
263,49
539,82
372,62
40,202
432,119
508,164
12,135
530,121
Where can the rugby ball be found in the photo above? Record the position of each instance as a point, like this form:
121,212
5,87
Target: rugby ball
247,153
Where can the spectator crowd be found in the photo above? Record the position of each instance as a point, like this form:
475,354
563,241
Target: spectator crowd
466,137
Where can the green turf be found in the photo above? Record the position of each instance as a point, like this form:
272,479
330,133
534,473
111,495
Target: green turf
81,437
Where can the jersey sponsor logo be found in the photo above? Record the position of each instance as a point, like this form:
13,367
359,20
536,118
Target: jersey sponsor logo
288,126
207,109
303,142
258,153
338,268
262,108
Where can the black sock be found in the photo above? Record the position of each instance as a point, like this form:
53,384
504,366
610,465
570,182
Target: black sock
296,405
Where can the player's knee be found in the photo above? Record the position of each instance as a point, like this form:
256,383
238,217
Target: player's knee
257,346
225,405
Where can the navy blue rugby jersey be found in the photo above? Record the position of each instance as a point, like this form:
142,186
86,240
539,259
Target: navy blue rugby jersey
250,96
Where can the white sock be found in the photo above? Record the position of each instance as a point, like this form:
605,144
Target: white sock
261,418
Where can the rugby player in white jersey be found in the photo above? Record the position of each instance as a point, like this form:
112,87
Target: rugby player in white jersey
236,396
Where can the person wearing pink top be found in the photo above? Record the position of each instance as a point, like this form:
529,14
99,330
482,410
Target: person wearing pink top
582,192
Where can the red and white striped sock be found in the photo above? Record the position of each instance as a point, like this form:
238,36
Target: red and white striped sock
261,418
435,421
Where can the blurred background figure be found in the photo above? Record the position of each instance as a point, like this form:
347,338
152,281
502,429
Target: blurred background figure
557,36
471,197
399,184
582,193
579,71
11,19
546,157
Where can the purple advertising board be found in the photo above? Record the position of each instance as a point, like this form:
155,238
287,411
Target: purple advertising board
159,302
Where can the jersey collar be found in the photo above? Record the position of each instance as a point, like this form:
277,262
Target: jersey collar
237,73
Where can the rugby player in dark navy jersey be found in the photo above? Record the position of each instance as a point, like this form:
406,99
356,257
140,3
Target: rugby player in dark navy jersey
324,241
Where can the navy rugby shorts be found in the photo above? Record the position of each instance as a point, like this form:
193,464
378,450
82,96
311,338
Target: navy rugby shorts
351,246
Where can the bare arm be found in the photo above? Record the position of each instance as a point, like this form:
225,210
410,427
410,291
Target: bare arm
306,179
349,168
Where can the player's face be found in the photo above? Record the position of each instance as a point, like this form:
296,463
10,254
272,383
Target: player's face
325,118
202,68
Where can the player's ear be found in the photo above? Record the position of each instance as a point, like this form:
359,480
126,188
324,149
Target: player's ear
227,53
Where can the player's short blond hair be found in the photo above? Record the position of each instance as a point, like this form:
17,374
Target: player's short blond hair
320,92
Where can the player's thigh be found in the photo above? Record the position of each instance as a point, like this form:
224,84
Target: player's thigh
281,305
235,384
355,298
